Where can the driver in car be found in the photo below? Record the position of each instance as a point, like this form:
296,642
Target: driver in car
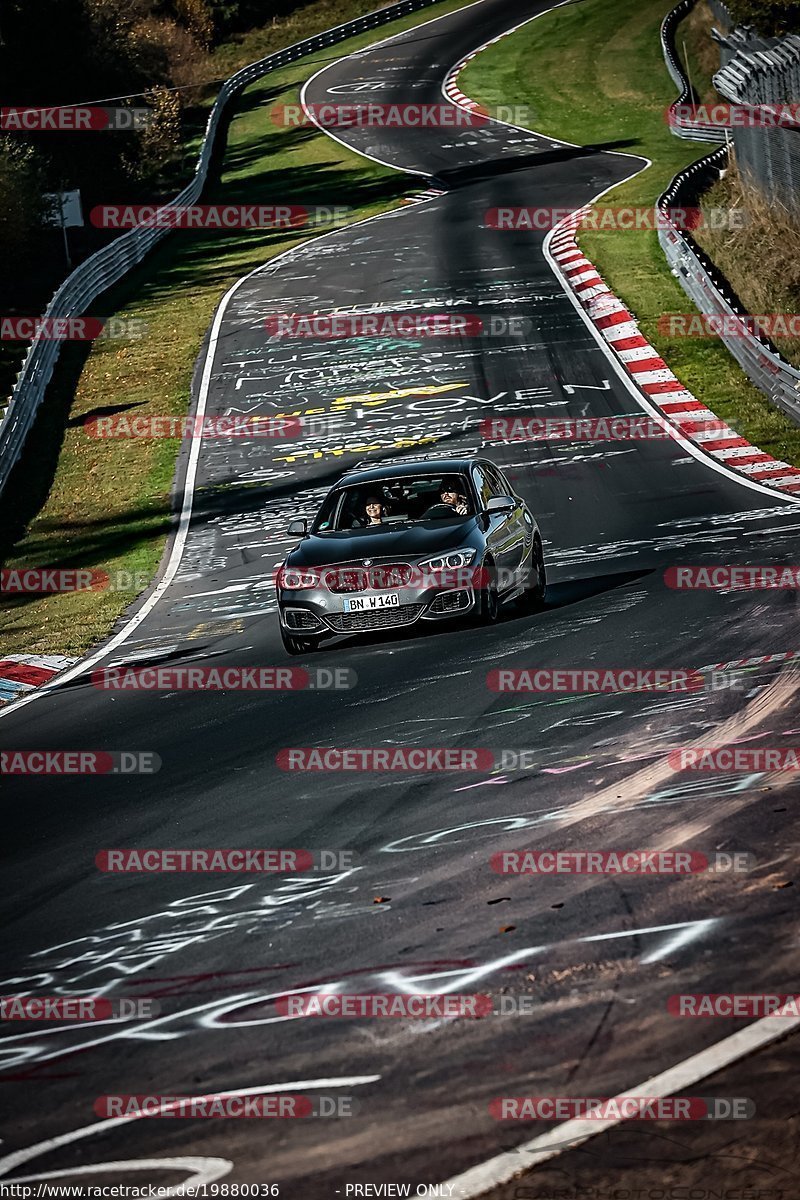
454,499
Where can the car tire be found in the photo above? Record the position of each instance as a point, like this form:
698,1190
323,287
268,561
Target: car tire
488,611
532,598
298,645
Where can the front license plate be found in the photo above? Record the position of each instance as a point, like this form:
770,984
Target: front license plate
368,603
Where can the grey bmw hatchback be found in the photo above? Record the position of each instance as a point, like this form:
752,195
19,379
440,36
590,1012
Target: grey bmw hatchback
412,539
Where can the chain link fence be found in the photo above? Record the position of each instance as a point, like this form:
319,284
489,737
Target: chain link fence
105,268
757,72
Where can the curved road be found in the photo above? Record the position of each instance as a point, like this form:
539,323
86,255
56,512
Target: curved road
418,907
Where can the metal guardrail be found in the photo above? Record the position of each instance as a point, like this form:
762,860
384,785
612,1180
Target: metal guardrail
107,266
759,360
680,125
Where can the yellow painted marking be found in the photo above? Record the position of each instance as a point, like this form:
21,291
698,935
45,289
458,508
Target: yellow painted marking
215,628
306,412
396,393
338,451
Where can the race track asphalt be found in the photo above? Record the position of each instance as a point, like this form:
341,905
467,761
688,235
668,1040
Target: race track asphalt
598,956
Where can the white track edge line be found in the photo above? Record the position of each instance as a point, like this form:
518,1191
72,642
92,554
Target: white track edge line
484,1177
176,551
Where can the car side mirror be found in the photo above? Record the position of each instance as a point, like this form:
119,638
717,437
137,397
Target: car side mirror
298,528
501,504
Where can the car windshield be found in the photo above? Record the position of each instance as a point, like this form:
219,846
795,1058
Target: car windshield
387,503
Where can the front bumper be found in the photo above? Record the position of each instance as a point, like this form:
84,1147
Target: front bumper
317,613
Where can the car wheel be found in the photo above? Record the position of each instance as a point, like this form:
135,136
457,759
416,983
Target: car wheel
298,645
533,597
489,598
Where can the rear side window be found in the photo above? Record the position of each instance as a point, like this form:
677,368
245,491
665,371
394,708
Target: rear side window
482,485
499,486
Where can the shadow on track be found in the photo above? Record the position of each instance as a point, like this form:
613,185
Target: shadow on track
473,172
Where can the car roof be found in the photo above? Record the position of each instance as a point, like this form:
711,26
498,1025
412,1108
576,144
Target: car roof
392,468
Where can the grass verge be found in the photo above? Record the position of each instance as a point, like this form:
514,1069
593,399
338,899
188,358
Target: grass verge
693,36
761,261
595,74
78,502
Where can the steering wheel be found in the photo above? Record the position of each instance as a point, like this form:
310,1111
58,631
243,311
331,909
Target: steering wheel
439,510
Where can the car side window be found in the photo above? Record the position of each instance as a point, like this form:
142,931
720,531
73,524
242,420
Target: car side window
482,486
505,487
496,482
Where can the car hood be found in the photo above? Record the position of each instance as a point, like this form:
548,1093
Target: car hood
416,541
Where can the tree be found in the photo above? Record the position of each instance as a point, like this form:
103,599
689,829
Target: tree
770,17
22,209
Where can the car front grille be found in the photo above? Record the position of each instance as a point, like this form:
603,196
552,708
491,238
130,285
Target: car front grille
346,579
380,618
357,578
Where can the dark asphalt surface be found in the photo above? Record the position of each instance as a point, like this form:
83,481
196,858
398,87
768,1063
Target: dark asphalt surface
599,956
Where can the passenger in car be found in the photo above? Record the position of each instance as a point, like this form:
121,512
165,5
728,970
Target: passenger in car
375,511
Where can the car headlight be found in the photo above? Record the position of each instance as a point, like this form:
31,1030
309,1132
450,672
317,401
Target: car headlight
449,562
297,579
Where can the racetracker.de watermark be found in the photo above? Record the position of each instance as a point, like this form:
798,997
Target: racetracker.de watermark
378,115
724,577
223,679
398,324
735,116
386,577
727,325
381,758
217,216
77,1008
619,862
71,329
605,219
74,118
752,759
79,762
45,581
622,1108
731,1004
595,679
215,860
119,425
416,1006
518,427
280,1105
